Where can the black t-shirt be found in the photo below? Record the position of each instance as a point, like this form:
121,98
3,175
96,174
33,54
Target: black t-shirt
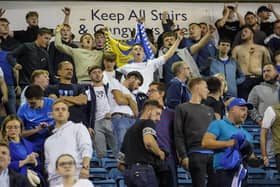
133,145
217,106
8,44
77,112
267,27
229,30
28,35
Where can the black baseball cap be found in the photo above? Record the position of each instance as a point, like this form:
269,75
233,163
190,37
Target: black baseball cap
263,9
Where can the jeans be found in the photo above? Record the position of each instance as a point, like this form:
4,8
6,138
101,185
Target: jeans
200,166
11,105
140,176
120,124
103,135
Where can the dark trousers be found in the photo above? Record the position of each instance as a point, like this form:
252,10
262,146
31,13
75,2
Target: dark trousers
139,175
245,87
200,166
171,162
277,159
225,177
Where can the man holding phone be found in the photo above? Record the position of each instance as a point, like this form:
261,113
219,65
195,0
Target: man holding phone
36,116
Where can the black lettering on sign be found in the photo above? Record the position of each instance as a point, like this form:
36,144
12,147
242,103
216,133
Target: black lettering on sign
82,29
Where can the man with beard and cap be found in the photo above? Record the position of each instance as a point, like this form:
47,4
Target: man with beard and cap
124,108
264,13
222,134
251,57
264,95
251,21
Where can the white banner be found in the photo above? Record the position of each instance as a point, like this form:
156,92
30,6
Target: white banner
120,17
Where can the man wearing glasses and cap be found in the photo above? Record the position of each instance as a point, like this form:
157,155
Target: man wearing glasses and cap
264,13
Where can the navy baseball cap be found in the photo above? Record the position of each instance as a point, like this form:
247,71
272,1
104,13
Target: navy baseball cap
240,102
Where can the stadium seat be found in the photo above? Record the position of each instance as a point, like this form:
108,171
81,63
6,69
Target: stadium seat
108,163
98,174
104,183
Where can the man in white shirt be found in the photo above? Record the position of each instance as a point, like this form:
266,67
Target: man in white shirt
147,69
124,108
68,138
99,112
271,120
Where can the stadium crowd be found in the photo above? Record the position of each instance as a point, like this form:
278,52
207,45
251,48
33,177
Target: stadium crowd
180,100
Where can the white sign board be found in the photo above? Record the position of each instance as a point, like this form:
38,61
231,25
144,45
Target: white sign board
120,17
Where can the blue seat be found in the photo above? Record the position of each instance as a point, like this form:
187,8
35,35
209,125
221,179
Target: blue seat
184,182
98,174
110,154
256,173
108,163
104,183
94,162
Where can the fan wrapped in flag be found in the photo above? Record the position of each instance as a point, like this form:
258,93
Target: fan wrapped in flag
122,50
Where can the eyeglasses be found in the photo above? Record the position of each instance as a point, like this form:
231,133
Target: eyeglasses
63,164
12,127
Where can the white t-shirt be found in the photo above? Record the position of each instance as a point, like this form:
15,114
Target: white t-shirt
268,118
115,107
80,183
108,75
102,104
1,73
147,70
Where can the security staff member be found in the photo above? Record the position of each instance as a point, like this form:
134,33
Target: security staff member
140,150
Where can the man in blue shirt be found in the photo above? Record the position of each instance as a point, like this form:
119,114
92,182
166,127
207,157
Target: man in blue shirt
204,53
219,137
36,116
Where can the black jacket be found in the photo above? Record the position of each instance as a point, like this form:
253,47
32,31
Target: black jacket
18,180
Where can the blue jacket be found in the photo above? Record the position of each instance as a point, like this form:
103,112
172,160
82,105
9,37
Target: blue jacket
232,72
174,94
7,68
18,154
